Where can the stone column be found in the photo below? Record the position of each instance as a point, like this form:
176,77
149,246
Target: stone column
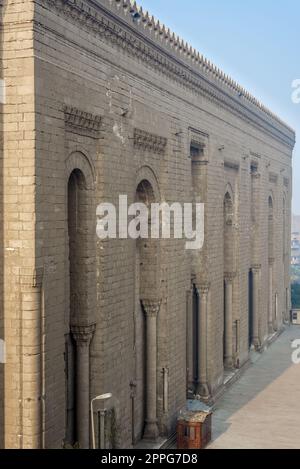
190,341
83,336
257,219
256,269
151,310
31,303
229,277
203,389
271,318
275,322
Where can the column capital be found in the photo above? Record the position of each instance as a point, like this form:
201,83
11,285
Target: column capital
256,268
151,307
203,288
271,260
229,276
83,334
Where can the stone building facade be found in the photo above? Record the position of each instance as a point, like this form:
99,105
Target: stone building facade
103,100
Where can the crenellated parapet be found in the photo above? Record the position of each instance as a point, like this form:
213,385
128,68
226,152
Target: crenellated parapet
143,20
126,25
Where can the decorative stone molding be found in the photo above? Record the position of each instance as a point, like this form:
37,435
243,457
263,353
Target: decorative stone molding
255,154
273,178
149,142
198,137
231,165
198,147
229,219
151,307
271,261
83,334
127,26
82,121
256,268
229,276
203,288
79,159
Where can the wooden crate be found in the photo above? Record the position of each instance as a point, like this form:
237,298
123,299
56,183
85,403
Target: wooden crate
194,430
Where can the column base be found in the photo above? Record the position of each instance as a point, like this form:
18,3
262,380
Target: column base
203,390
256,343
191,392
228,363
151,431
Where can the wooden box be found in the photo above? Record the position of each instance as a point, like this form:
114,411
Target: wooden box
194,430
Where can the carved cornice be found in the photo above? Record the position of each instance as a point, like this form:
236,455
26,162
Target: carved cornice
149,142
151,307
82,121
128,27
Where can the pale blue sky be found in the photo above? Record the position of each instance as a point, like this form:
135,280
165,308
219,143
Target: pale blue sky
257,42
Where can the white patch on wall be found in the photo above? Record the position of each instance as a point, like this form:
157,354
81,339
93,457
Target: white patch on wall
296,353
296,92
117,131
2,92
2,351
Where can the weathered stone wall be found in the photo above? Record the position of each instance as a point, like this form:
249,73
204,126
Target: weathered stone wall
19,240
76,95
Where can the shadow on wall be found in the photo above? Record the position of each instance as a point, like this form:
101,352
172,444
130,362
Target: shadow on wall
1,247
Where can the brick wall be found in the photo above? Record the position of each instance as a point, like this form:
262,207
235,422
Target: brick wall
67,63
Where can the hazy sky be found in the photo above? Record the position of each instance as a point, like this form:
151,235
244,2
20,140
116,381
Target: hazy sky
256,42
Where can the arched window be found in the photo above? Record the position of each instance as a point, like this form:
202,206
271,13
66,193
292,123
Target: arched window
146,290
229,273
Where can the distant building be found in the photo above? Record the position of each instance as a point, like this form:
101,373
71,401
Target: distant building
295,248
295,258
296,224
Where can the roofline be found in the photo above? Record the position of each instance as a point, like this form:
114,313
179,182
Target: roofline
141,23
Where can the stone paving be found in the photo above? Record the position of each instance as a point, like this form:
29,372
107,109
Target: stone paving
262,409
